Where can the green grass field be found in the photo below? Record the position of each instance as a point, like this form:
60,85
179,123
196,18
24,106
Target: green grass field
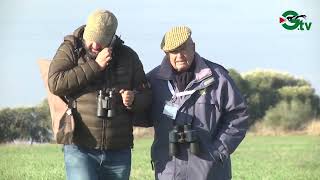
258,157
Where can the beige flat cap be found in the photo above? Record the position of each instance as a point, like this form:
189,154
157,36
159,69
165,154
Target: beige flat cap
175,37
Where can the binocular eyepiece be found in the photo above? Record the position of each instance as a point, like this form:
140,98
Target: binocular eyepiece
183,134
105,103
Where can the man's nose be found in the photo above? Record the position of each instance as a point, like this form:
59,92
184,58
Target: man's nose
96,46
179,54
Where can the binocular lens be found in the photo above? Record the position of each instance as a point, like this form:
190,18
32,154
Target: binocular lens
105,104
194,148
173,149
183,134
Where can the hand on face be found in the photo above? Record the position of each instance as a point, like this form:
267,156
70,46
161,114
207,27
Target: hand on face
127,97
104,57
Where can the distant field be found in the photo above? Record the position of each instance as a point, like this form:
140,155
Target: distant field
258,157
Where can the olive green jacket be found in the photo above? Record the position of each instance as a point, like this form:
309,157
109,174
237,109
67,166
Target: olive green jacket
74,73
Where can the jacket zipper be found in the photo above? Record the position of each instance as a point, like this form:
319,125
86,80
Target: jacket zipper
197,81
103,134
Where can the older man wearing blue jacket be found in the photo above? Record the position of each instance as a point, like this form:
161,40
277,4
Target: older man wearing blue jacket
198,113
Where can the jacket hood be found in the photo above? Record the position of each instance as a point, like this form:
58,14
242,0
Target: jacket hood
79,32
76,37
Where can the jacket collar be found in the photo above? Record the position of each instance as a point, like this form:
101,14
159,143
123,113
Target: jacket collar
79,31
201,69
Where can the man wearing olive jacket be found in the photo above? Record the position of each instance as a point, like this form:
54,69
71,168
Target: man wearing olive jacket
94,63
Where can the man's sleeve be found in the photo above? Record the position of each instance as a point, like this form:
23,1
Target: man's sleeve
65,75
233,123
142,88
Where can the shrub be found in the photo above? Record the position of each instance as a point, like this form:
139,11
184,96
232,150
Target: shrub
289,115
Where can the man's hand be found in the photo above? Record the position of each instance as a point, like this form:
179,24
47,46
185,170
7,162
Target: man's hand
127,97
104,57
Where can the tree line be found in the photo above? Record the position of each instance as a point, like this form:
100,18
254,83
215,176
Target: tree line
276,99
26,123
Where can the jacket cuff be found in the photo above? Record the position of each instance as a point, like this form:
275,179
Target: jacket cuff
133,107
220,151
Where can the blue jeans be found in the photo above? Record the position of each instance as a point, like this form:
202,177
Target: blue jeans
93,164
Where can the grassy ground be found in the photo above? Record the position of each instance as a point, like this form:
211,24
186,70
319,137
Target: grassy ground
258,157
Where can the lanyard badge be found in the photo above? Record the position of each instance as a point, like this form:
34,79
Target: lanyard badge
170,109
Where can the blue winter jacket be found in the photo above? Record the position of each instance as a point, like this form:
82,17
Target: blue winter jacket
216,110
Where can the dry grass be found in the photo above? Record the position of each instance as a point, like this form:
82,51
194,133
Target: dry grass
143,132
260,129
313,128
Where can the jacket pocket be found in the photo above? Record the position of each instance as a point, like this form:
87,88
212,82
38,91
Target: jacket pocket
164,170
206,113
206,99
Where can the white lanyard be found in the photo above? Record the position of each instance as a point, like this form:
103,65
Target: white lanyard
179,94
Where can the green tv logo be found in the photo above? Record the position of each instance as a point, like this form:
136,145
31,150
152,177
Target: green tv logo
291,20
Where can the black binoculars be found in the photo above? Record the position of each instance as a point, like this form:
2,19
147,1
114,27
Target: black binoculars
105,103
183,134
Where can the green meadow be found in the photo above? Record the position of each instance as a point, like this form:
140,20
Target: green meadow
258,157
